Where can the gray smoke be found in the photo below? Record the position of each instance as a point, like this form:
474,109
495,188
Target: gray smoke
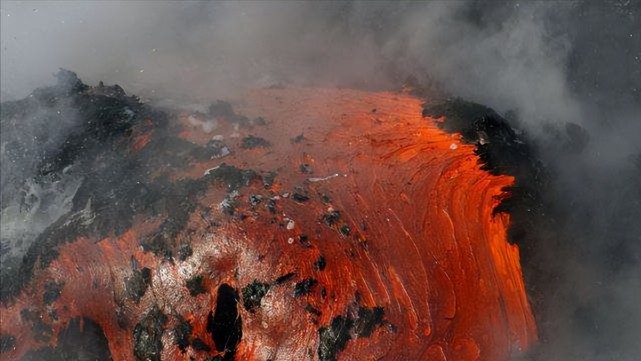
549,63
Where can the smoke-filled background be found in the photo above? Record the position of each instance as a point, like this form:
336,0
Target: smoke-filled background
547,64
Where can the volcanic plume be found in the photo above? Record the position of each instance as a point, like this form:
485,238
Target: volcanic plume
302,223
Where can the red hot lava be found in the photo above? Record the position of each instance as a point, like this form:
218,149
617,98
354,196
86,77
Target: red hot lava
359,231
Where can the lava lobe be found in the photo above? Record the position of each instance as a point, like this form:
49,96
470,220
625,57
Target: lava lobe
303,224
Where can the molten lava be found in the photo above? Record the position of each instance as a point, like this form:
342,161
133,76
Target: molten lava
340,225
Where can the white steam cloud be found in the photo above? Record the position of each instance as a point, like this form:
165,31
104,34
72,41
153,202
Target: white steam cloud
211,49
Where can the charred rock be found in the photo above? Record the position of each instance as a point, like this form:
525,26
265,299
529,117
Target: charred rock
225,323
195,285
137,284
7,343
253,293
182,333
81,340
148,335
52,292
304,287
251,142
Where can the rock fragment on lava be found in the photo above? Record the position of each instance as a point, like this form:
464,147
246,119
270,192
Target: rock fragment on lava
304,287
137,284
331,217
182,333
253,293
52,292
195,285
284,278
306,168
251,142
320,264
300,198
225,323
342,329
148,335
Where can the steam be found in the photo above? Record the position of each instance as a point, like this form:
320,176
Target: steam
551,63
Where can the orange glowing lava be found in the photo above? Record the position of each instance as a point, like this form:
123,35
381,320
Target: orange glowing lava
414,235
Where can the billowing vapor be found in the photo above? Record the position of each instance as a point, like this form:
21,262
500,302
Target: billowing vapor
567,73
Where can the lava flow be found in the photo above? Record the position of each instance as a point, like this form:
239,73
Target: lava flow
321,224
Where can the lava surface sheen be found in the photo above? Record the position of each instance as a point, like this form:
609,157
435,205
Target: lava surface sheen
375,241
